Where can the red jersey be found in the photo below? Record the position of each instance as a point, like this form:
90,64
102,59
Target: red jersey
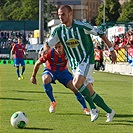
18,50
54,61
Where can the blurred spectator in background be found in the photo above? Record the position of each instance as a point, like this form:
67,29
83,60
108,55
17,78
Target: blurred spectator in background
99,58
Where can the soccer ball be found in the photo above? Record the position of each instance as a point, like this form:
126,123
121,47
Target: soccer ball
19,120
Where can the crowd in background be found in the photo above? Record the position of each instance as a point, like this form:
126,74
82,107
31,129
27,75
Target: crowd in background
9,37
123,40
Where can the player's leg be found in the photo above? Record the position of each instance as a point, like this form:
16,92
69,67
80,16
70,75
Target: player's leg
16,64
79,97
47,79
98,100
23,68
80,73
65,78
18,73
80,82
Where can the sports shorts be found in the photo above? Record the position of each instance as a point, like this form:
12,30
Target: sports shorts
85,70
19,61
62,76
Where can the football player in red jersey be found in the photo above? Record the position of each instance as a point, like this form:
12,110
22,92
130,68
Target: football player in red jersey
19,50
56,69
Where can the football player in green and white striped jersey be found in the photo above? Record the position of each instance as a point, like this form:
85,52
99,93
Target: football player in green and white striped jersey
78,45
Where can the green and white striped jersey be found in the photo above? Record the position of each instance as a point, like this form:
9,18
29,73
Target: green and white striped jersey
77,41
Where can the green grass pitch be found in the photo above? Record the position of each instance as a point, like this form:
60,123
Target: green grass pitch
21,95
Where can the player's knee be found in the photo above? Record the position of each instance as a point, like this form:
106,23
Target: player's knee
46,79
77,84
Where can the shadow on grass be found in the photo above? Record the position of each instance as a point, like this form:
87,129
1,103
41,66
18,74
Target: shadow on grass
41,92
35,128
124,115
5,98
117,123
64,92
122,121
130,121
28,91
69,114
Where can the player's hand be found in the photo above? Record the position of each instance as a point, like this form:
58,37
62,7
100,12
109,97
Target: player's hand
33,80
113,57
24,56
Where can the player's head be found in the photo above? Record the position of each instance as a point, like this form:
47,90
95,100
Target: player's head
19,40
65,14
59,48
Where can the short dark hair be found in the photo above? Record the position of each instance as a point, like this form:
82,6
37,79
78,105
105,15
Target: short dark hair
66,6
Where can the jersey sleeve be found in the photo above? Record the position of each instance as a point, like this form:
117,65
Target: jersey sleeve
53,39
94,30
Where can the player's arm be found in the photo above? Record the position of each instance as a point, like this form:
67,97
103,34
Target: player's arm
111,49
11,52
52,40
98,31
24,55
45,50
39,53
24,51
35,70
